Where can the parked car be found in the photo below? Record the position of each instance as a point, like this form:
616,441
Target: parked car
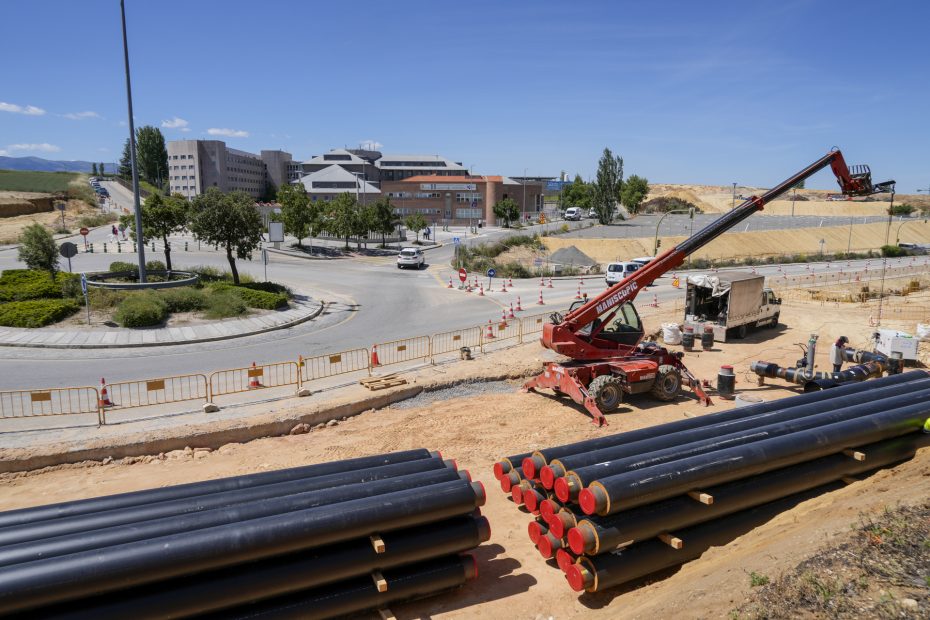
643,260
592,212
410,257
573,214
618,271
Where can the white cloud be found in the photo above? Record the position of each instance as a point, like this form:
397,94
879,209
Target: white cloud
4,152
229,133
371,145
80,116
29,110
185,129
44,147
175,123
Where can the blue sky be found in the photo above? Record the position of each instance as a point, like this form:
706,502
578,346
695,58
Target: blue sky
686,92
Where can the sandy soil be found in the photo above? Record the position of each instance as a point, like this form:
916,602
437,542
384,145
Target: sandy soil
514,582
11,227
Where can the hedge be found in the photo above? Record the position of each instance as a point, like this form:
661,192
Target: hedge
254,298
37,312
24,284
142,310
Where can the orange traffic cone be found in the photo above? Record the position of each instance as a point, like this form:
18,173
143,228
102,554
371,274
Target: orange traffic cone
490,333
503,286
550,283
450,283
582,281
104,395
542,282
374,356
578,294
541,302
481,290
510,282
511,315
519,307
503,317
254,374
655,301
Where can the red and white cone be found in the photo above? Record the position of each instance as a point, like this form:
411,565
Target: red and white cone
510,282
503,286
578,294
374,356
582,281
541,302
542,282
550,283
450,283
519,307
503,316
104,395
490,333
253,378
481,290
655,302
511,315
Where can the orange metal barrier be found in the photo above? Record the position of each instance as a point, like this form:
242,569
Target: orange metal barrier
409,349
511,330
127,394
235,380
533,324
331,364
53,401
447,342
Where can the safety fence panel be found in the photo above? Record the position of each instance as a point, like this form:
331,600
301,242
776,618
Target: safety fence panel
399,351
533,324
149,392
447,342
502,332
54,401
331,364
235,380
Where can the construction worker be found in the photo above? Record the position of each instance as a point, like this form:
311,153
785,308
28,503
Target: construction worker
836,353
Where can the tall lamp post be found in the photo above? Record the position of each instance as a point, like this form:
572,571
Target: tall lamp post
733,205
523,204
140,241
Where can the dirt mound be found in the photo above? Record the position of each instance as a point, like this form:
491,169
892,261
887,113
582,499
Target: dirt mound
24,203
686,193
572,256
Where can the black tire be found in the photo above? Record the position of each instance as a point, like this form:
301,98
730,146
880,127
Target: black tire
607,391
774,322
667,383
742,331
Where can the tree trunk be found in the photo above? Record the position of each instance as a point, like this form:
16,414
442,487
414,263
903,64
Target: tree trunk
232,265
347,242
383,242
167,253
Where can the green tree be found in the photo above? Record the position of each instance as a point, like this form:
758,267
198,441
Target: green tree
342,216
384,219
93,169
152,154
124,169
227,220
162,217
38,249
577,194
607,186
508,210
297,212
415,222
634,192
101,169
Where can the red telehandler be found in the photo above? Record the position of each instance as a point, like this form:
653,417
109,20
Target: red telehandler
603,336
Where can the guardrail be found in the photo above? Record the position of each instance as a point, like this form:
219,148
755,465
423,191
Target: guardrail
448,342
332,364
161,391
50,402
254,377
406,350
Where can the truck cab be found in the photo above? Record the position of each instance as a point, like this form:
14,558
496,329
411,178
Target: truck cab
733,302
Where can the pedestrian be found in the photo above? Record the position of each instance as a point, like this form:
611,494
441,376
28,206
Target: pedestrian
113,230
427,232
836,353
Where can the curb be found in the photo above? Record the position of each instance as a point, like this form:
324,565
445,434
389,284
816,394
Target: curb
298,321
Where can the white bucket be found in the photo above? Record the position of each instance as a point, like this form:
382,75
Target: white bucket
744,400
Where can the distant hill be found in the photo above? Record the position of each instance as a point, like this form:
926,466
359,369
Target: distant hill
49,165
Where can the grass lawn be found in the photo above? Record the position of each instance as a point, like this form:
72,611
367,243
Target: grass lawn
31,181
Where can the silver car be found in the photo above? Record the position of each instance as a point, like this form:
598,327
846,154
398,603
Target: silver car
410,257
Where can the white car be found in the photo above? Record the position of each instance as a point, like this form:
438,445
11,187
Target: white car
618,271
573,214
410,257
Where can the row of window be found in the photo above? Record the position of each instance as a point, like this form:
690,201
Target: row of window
409,211
468,197
182,157
187,167
469,213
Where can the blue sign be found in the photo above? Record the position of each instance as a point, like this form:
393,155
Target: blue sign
491,273
456,240
84,283
556,186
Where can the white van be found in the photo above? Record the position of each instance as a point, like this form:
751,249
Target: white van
573,214
618,271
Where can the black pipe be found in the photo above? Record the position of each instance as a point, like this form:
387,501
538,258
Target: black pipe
196,489
542,457
238,585
599,572
859,356
596,535
77,575
651,484
805,376
358,594
45,531
118,533
715,436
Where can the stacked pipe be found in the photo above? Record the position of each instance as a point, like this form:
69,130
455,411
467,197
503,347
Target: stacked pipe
315,542
614,509
867,364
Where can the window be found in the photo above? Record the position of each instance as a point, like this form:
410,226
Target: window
469,213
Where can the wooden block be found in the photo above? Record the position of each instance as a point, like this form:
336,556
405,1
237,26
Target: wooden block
379,580
377,543
672,541
704,498
387,614
855,454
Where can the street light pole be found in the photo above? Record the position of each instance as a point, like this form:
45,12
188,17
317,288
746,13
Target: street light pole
140,241
523,205
733,206
793,198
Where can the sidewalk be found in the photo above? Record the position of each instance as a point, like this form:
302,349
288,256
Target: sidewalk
302,309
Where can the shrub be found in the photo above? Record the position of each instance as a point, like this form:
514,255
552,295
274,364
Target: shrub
268,287
208,273
903,209
184,299
97,219
141,310
155,265
893,250
102,298
23,284
254,298
119,265
38,249
223,303
37,312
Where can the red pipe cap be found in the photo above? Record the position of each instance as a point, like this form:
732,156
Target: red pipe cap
547,545
576,577
516,494
562,491
588,501
547,509
498,470
536,530
529,467
576,541
556,526
547,476
531,500
564,559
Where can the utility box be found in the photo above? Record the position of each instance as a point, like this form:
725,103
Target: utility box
892,341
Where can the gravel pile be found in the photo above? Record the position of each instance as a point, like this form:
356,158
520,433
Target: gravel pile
459,390
572,256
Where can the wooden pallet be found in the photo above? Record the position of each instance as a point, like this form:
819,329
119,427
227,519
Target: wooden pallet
383,382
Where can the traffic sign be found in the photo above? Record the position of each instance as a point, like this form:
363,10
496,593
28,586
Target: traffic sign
84,231
463,275
537,262
60,206
456,240
84,283
492,273
67,249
